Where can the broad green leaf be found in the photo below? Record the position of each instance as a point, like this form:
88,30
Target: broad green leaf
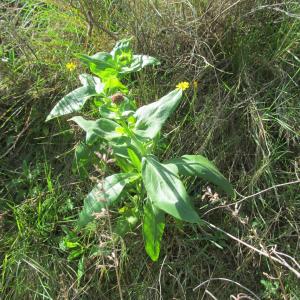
166,190
84,157
139,62
122,53
102,128
101,60
101,64
71,245
127,221
197,165
112,113
103,195
129,114
121,145
71,102
145,60
121,46
80,270
89,80
124,165
108,112
75,253
117,111
82,160
150,118
120,149
113,85
134,159
153,229
75,100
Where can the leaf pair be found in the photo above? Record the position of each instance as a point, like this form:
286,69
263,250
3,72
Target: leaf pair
109,67
127,62
112,132
167,194
166,190
149,120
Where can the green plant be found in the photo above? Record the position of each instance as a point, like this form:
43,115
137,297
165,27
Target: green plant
271,288
152,188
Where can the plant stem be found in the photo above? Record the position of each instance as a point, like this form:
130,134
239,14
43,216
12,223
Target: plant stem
138,144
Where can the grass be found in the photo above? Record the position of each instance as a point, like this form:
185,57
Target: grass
244,115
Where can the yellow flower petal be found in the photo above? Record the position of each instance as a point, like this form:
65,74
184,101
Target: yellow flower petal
183,85
71,66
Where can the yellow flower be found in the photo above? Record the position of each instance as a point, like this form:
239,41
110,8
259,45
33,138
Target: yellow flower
183,85
71,66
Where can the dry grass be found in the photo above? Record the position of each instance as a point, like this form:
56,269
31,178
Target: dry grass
243,114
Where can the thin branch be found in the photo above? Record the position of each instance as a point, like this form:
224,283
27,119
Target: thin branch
228,280
115,258
261,252
253,195
159,278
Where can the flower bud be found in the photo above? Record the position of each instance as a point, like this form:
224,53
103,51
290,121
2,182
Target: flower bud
117,98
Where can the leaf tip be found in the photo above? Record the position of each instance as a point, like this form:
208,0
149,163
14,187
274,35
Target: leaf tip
75,119
48,118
